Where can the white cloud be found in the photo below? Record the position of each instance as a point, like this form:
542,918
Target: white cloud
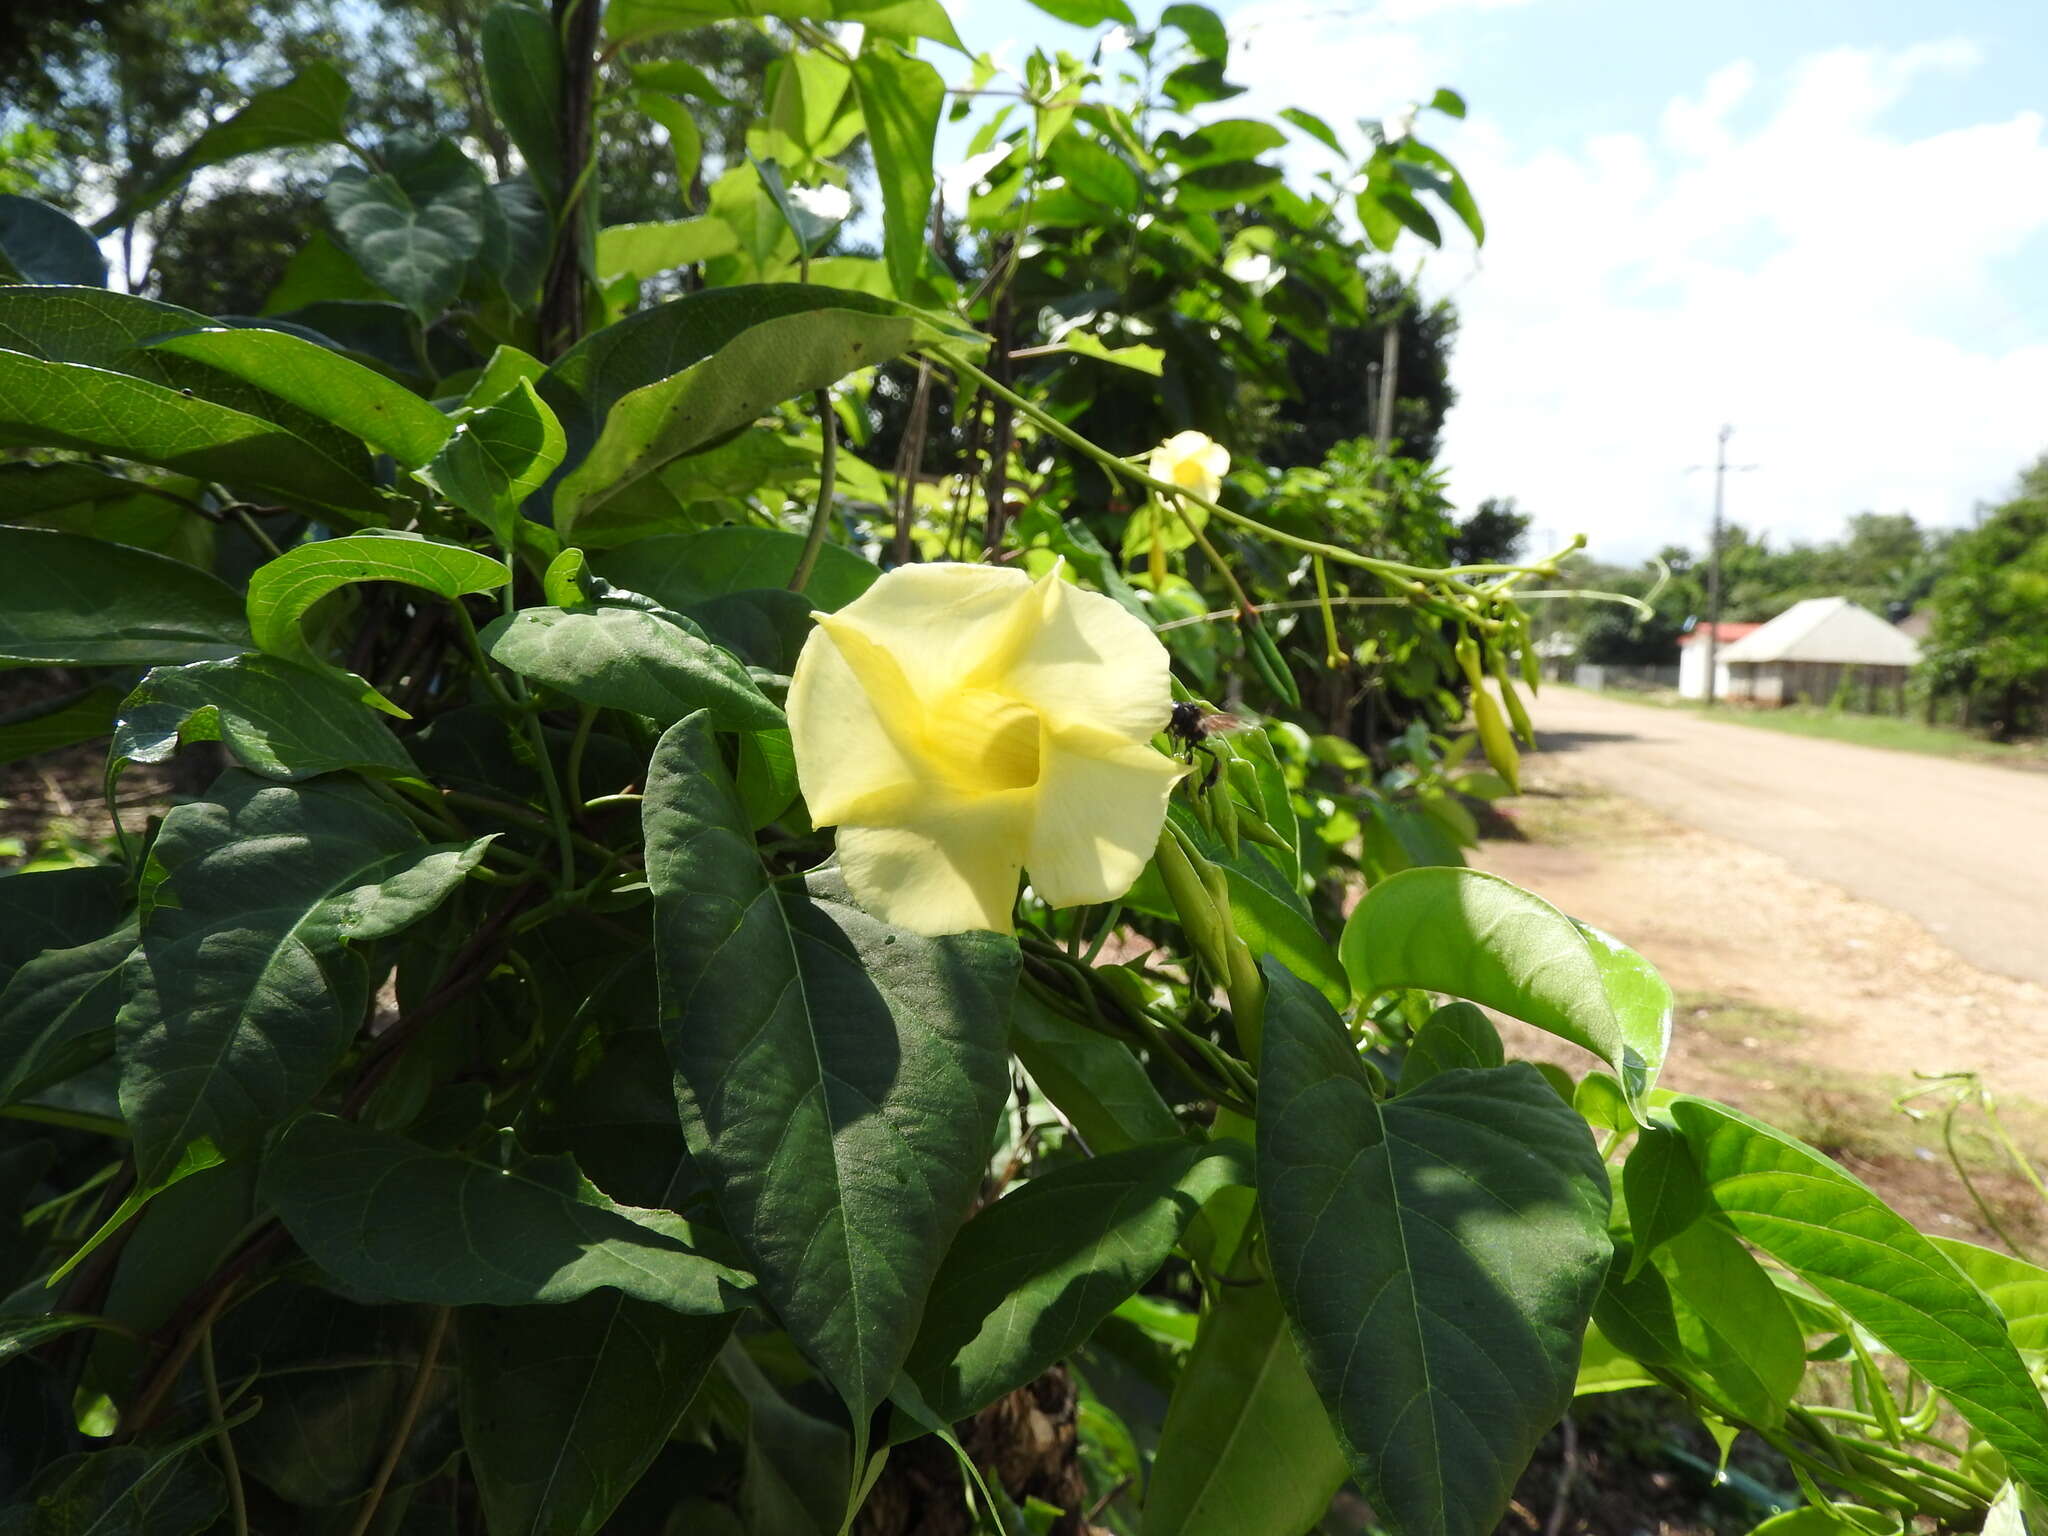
1769,251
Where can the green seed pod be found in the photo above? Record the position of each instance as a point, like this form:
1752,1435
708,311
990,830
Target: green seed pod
1494,737
1516,713
1224,804
1266,659
1204,927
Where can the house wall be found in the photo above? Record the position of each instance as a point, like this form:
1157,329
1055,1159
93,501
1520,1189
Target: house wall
1692,670
1870,690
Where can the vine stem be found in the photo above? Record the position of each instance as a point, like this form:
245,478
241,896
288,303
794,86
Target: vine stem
1389,570
407,1417
821,516
238,1505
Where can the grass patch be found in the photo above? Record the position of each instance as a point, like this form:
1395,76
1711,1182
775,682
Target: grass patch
1887,731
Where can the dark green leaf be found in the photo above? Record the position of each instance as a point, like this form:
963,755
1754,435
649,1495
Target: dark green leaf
1809,1215
62,722
1088,13
1475,936
245,992
617,657
414,229
1095,1081
523,74
68,600
56,909
1456,1035
282,592
1313,126
1246,1445
279,720
390,1218
839,1079
1095,172
683,569
1663,1190
57,1012
1197,84
1030,1278
40,245
564,1407
1209,188
1220,143
748,350
385,415
1202,27
125,1491
1439,1252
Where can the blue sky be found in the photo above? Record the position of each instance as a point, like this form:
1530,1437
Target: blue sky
1824,221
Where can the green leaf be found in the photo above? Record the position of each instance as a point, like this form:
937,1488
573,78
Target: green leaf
1818,1221
900,99
309,109
92,410
284,591
1448,102
68,600
1096,1082
749,350
122,1491
1197,84
1246,1445
57,1013
501,375
499,455
1439,1252
55,909
61,722
1142,359
387,416
2018,1289
1313,126
626,19
1729,1319
277,719
1088,13
523,77
246,992
1202,27
683,569
564,1407
320,271
648,250
1267,912
839,1079
1838,1520
1457,1035
656,664
1440,178
391,1218
38,244
415,230
1475,936
1030,1278
1663,1190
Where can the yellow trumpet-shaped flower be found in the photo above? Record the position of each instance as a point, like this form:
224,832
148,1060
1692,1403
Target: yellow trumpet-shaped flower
961,723
1192,461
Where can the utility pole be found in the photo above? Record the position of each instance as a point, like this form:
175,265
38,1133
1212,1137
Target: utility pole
1721,468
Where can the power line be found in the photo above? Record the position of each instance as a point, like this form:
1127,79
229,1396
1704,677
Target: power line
1721,467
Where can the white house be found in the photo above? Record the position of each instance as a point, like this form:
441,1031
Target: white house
1818,651
1692,658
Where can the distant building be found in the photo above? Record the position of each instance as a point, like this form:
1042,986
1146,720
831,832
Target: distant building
1692,658
1818,651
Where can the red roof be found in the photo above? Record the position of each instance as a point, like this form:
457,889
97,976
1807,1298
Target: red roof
1724,632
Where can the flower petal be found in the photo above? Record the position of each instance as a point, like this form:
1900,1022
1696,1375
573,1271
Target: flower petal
1088,662
938,621
1101,803
948,868
845,728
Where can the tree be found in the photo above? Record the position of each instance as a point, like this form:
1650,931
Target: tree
1494,532
1990,636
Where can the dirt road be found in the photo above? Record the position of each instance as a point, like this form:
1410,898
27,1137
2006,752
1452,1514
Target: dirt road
1963,847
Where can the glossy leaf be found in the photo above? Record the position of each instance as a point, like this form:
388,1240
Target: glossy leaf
69,600
277,719
391,1218
2018,1289
282,592
245,992
523,75
1440,1251
1475,936
1732,1321
318,379
1817,1220
656,664
499,455
1246,1445
38,244
1456,1035
1096,1082
900,97
1663,1189
839,1079
564,1407
1032,1276
682,570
